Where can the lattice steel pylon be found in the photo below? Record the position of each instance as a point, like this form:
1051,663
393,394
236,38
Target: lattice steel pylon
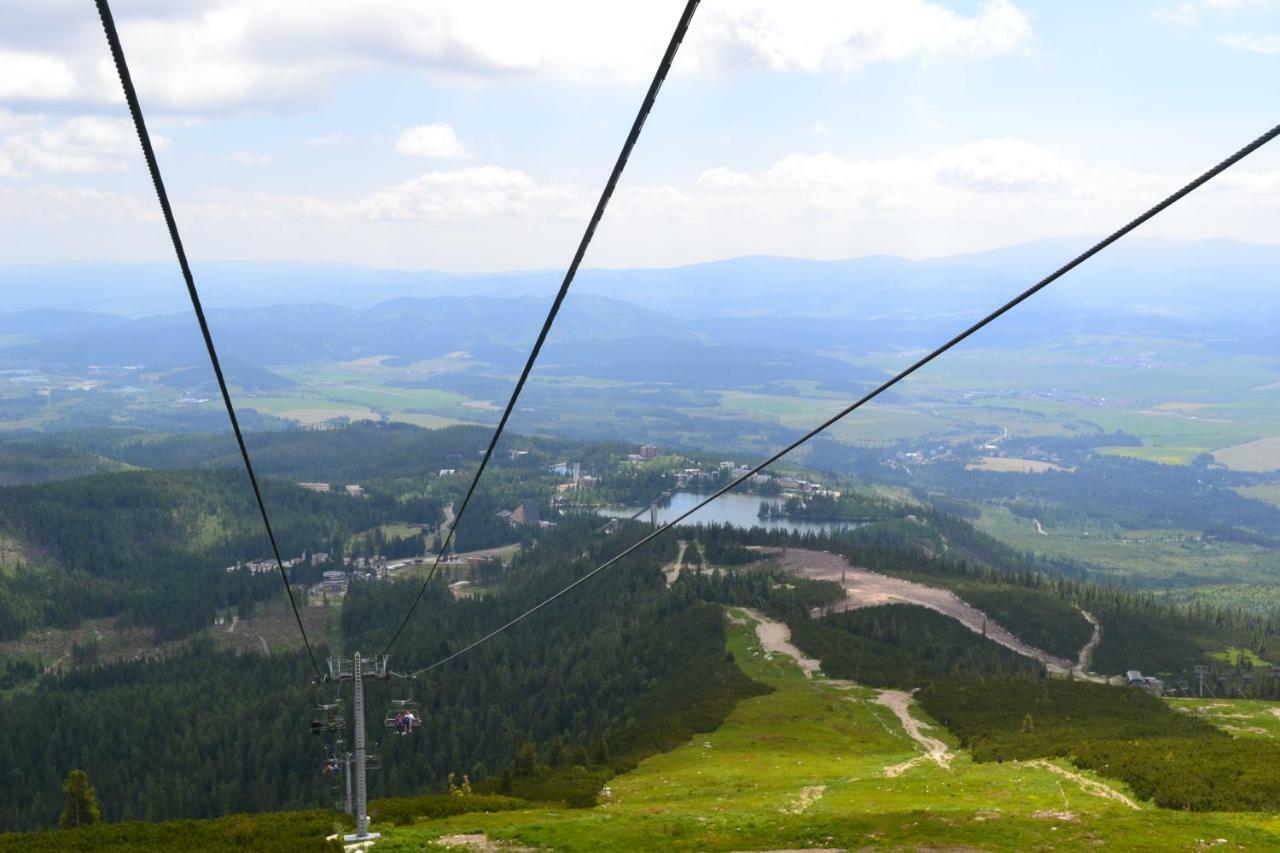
356,669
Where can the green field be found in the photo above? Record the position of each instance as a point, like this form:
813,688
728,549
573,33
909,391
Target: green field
804,767
306,410
1242,718
1151,555
1163,455
427,421
1260,455
1269,492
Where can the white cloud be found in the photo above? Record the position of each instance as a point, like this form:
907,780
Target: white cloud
825,185
1001,164
921,203
795,189
1264,43
1261,186
840,35
50,203
465,194
431,140
231,54
473,194
77,144
26,76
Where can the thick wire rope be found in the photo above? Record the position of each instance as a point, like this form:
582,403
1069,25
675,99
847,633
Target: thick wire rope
659,76
1123,231
148,152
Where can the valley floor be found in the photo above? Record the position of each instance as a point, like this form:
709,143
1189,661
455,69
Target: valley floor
821,764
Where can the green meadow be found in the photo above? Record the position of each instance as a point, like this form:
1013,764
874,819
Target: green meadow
812,764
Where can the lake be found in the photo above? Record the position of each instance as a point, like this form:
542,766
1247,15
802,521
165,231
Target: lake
738,510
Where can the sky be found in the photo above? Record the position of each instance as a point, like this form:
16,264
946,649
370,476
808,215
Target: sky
475,135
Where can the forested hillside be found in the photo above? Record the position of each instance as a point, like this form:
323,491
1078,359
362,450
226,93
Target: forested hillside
154,546
216,733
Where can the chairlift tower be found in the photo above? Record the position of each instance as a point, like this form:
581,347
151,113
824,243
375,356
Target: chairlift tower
347,761
1200,671
356,669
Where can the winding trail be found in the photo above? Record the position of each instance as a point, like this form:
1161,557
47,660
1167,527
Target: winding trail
672,570
775,638
1090,786
1081,669
865,588
899,701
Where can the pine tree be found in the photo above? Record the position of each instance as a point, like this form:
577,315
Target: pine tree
526,758
600,752
80,804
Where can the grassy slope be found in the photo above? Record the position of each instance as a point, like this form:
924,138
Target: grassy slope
737,788
1243,718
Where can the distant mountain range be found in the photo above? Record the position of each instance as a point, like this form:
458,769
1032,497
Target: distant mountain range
743,321
1161,277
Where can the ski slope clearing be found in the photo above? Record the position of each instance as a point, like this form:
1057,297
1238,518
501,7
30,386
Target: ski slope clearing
803,768
865,588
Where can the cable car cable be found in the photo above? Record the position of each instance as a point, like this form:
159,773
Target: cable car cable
646,105
148,152
1079,259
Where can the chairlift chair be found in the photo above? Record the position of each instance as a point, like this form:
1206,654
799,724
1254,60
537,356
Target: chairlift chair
328,718
404,716
335,756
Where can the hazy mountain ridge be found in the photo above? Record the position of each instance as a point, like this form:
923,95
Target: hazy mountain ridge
286,313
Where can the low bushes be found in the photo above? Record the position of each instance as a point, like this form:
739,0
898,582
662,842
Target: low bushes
280,832
404,810
1173,759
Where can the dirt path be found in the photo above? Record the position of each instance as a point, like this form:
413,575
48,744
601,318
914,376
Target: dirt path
1081,669
1039,528
235,620
865,588
480,842
899,701
775,639
672,570
1090,786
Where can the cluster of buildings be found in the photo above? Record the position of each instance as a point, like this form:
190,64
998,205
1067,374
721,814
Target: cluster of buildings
1133,678
353,490
577,479
258,567
647,452
525,514
921,457
728,470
